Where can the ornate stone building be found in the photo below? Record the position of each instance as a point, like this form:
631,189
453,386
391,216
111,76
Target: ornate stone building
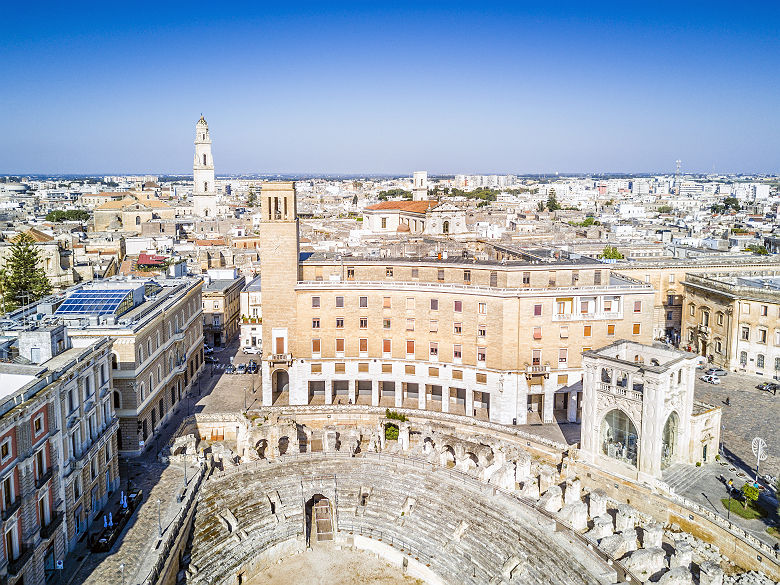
205,188
639,413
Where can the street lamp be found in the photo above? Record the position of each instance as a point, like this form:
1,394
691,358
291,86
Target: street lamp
122,570
159,521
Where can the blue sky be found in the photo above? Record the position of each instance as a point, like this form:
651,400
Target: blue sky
390,88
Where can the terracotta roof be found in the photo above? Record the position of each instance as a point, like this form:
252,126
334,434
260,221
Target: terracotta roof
210,242
38,235
408,206
145,259
115,204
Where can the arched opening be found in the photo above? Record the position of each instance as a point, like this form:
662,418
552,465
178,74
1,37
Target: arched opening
319,521
605,376
137,220
117,400
284,445
205,186
114,362
619,437
204,160
445,228
260,447
669,440
448,457
280,386
391,432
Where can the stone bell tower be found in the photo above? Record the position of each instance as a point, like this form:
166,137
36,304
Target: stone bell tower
279,251
205,190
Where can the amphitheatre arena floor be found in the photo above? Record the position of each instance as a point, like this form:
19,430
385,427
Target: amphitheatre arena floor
325,565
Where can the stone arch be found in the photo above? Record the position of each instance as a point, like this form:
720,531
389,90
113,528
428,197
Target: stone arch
283,444
447,456
391,430
280,383
137,220
669,439
445,228
261,446
606,375
619,437
317,501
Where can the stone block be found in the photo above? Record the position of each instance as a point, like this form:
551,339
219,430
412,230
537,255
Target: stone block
612,545
710,573
552,499
676,576
652,535
573,491
530,488
646,562
683,552
546,478
625,518
602,526
522,469
597,503
630,540
575,515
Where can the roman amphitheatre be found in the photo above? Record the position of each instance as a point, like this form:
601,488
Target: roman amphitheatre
359,494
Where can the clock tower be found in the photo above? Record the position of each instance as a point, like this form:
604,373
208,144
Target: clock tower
279,272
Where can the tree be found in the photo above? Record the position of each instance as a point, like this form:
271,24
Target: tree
665,209
751,493
552,202
21,280
758,249
60,215
540,206
611,253
355,200
252,199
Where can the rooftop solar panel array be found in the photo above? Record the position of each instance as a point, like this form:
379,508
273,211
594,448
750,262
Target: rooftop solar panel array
95,302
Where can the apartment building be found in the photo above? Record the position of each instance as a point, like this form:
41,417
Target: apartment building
252,314
157,328
58,460
497,340
221,305
733,319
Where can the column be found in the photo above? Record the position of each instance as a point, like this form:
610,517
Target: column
352,392
328,391
266,389
375,392
571,413
421,390
469,402
399,394
547,407
445,398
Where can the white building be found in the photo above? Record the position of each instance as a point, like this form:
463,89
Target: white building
205,189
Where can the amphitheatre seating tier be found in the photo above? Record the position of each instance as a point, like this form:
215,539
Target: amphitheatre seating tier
465,534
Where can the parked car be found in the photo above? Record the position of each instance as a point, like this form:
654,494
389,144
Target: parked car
252,350
716,372
210,359
711,379
230,369
241,369
769,387
251,367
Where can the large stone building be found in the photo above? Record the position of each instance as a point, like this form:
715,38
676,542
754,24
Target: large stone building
497,340
221,305
639,413
252,314
415,217
130,213
733,319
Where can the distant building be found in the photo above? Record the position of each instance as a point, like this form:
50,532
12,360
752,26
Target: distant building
221,305
252,315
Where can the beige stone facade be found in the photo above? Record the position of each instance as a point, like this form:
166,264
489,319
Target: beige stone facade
498,340
221,306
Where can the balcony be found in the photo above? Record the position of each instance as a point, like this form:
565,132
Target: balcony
280,357
44,478
54,523
10,510
178,336
15,566
587,316
703,330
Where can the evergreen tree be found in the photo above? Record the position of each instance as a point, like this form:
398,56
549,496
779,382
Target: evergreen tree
21,280
252,200
611,253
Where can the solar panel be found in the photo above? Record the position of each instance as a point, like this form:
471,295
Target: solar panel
96,302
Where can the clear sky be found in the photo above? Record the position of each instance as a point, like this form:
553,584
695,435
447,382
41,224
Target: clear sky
296,87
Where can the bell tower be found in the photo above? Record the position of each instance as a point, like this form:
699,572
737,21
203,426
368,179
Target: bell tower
279,257
205,190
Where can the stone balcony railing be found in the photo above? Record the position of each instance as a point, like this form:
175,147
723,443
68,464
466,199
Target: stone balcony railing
45,477
620,391
600,315
10,510
15,566
55,522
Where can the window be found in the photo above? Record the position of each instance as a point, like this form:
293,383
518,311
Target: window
363,345
434,304
564,331
526,278
746,308
610,330
537,310
764,310
387,346
743,357
363,302
637,306
350,273
777,364
671,279
457,328
409,369
467,276
364,322
777,337
410,324
410,303
608,306
584,306
5,450
339,345
481,331
458,306
457,352
481,378
389,272
482,308
745,333
586,331
434,326
315,302
384,223
386,303
719,346
315,323
692,309
493,278
720,318
434,350
575,276
635,328
38,425
537,332
669,316
563,356
415,273
597,277
409,347
536,357
339,302
386,323
481,354
760,360
552,280
339,322
762,335
440,275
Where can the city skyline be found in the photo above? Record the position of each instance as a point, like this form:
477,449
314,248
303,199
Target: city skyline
366,90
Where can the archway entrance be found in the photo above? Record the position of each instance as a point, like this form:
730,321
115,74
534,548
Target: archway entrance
319,520
619,437
669,440
280,388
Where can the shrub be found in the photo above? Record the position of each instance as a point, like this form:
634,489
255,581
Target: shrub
393,415
391,433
